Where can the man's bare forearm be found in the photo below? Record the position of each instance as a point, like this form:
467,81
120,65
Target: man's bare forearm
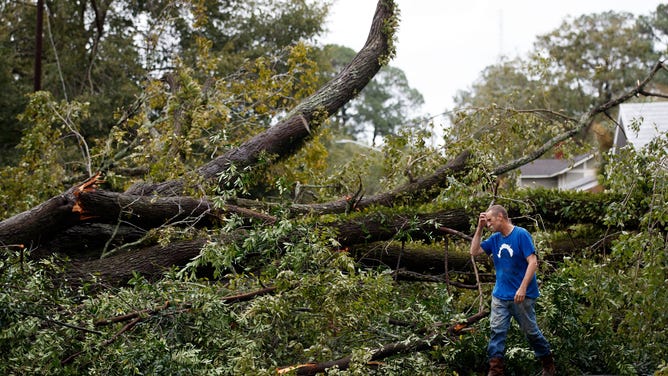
476,250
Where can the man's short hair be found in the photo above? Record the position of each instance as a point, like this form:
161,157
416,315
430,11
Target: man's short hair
498,209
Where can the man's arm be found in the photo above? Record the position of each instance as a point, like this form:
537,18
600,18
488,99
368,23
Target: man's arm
532,266
476,250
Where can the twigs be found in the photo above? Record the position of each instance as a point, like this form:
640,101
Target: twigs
136,317
403,244
413,276
249,295
106,343
132,315
481,302
390,349
481,306
455,232
60,323
445,264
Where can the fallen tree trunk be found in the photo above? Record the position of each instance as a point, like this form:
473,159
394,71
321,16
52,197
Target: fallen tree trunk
122,218
360,235
91,205
418,258
428,187
149,262
39,224
284,138
153,261
88,241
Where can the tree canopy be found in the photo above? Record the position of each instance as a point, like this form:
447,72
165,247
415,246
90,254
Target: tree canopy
210,230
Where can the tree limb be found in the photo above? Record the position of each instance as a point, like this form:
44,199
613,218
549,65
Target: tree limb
584,122
424,187
391,349
288,135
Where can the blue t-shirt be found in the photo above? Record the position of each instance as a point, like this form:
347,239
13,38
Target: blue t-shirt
509,254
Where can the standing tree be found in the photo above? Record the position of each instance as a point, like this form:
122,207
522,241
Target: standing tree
599,55
386,104
569,70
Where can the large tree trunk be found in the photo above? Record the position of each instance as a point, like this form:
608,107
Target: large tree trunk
284,138
39,224
426,259
362,236
153,261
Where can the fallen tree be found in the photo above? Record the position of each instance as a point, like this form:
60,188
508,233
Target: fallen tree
408,233
86,221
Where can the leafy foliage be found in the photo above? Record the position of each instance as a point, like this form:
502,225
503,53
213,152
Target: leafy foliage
44,153
102,53
601,307
599,47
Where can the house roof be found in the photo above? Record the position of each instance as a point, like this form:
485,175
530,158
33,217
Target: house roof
548,168
653,118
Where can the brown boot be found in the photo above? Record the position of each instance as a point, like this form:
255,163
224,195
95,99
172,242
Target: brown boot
495,367
548,365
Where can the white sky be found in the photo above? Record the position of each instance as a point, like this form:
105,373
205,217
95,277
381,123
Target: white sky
443,45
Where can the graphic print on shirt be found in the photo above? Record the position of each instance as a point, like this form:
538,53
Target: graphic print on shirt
507,248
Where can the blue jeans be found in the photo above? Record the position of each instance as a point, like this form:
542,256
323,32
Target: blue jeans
525,316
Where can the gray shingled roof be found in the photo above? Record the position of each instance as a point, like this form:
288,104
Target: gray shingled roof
547,168
653,117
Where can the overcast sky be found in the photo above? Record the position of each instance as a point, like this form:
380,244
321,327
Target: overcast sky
443,45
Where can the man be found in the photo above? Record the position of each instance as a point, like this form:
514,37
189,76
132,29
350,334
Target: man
516,290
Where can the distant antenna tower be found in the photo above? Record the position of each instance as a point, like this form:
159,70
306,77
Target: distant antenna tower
500,34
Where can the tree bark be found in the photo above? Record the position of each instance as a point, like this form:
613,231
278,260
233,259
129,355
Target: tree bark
428,187
41,223
284,138
423,259
153,261
149,262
